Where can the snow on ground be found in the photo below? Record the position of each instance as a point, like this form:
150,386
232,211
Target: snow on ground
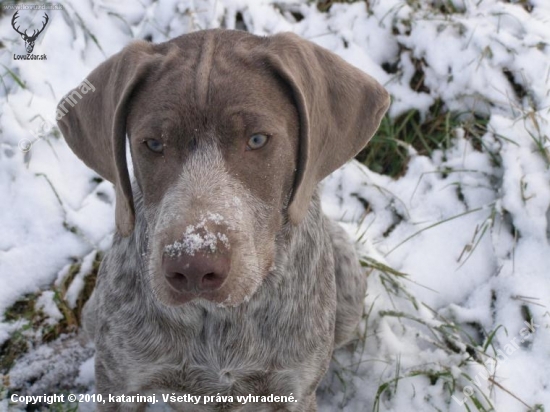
467,329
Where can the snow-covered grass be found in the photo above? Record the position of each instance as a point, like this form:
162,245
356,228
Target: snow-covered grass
451,212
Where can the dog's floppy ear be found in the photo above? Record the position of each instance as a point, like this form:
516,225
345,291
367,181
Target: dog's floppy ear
339,106
94,124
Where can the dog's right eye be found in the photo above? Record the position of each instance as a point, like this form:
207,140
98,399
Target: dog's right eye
154,145
257,141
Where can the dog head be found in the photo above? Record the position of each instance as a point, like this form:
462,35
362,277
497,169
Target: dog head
229,134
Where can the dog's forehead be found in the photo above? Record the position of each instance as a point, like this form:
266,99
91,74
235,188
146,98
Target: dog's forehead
216,59
209,76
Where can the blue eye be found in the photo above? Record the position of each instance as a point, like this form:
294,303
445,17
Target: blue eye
154,145
257,141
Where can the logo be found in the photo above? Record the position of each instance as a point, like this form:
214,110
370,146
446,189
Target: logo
29,40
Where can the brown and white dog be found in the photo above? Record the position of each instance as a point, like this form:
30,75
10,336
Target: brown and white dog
224,277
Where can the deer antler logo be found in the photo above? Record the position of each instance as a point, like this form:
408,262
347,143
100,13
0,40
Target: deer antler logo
29,40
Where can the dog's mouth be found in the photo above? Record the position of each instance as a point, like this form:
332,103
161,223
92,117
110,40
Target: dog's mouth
218,297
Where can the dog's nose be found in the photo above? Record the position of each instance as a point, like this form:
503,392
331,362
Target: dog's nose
202,272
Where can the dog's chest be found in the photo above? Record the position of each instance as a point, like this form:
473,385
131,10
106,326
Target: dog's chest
237,356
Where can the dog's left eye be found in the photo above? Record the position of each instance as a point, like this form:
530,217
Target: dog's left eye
154,145
256,141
